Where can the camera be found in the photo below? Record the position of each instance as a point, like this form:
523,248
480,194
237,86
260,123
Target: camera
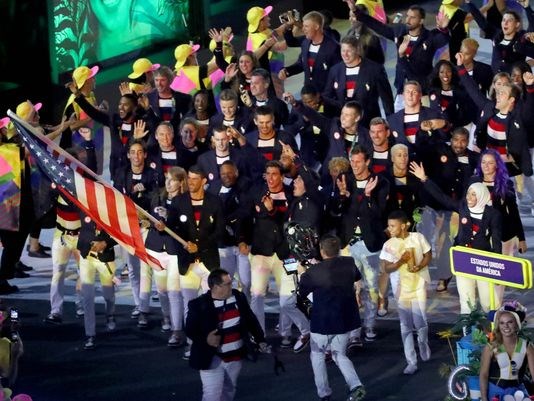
293,14
291,266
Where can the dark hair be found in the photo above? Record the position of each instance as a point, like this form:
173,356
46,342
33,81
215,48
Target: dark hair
357,149
435,82
330,245
262,72
131,96
137,141
399,215
419,9
460,131
353,41
230,163
196,169
216,277
211,109
263,111
274,164
513,13
309,89
353,104
219,128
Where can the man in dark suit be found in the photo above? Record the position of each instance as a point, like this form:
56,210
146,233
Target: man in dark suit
197,217
418,59
165,104
220,323
333,316
318,53
359,79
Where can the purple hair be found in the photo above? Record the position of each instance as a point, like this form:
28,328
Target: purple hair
500,183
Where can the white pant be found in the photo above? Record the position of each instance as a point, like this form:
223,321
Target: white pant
220,380
337,343
234,261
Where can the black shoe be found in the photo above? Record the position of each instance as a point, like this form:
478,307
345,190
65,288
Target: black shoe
41,247
39,254
6,288
22,266
20,274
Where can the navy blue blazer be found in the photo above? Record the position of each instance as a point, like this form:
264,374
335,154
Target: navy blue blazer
335,310
420,63
329,54
206,235
396,126
372,83
202,319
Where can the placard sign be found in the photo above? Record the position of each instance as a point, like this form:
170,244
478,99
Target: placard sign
492,267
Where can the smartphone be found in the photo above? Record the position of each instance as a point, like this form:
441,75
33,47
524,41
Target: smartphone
14,315
291,266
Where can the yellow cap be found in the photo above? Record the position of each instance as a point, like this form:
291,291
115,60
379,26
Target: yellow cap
182,52
82,74
254,16
142,66
25,108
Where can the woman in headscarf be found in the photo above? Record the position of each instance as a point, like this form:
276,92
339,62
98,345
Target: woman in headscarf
480,228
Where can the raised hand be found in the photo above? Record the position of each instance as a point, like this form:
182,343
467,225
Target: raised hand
216,35
528,77
418,170
371,184
442,21
124,88
139,129
459,59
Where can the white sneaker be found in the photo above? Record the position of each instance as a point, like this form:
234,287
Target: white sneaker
410,369
301,343
382,307
135,313
166,325
187,353
424,351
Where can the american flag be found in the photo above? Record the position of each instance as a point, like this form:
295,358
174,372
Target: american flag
112,211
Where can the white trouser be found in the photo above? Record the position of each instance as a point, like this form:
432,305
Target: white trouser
337,344
63,248
261,268
467,288
234,261
220,380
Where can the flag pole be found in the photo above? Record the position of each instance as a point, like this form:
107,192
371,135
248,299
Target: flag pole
97,178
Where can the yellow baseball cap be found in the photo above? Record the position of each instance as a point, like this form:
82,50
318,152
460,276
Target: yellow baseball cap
182,52
82,74
254,16
142,66
24,109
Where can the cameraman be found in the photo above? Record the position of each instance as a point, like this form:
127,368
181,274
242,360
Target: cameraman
11,347
333,316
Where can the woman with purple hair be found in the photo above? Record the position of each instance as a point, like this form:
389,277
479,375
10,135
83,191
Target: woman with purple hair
492,172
